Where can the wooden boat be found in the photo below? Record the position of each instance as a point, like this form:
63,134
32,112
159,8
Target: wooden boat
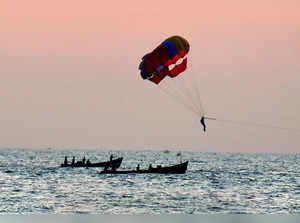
115,163
176,169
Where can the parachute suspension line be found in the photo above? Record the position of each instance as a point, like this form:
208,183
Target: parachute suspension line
173,90
195,85
182,82
178,100
176,96
179,85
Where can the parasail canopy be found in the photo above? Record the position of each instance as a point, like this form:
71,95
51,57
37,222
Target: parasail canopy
168,59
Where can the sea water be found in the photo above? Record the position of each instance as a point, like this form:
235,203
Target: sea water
31,181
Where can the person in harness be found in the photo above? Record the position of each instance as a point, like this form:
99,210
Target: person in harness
203,123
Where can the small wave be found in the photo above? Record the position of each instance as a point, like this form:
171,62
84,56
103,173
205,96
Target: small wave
82,212
60,196
17,190
215,209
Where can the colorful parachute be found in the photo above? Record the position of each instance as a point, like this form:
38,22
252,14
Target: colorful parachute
169,58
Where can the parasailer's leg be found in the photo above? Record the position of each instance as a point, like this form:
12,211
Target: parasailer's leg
203,123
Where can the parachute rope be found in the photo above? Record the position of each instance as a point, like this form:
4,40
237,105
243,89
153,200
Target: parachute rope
180,86
178,99
255,124
184,90
189,93
195,86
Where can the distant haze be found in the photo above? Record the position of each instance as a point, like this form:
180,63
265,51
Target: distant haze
69,76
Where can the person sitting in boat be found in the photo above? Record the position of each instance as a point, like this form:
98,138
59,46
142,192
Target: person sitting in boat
88,162
73,160
105,168
111,157
138,167
66,160
83,160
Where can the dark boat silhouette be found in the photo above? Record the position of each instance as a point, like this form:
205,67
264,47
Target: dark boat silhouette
115,163
175,169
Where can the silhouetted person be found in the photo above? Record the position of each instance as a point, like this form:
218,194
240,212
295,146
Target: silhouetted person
66,160
150,166
83,160
73,160
105,168
203,123
88,162
138,167
111,157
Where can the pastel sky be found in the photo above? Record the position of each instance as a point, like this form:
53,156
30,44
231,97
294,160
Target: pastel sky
69,76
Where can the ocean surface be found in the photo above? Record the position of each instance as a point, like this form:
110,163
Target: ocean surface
32,182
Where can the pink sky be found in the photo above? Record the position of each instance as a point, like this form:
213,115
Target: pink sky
69,75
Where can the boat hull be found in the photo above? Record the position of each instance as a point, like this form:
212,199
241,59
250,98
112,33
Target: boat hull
176,169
